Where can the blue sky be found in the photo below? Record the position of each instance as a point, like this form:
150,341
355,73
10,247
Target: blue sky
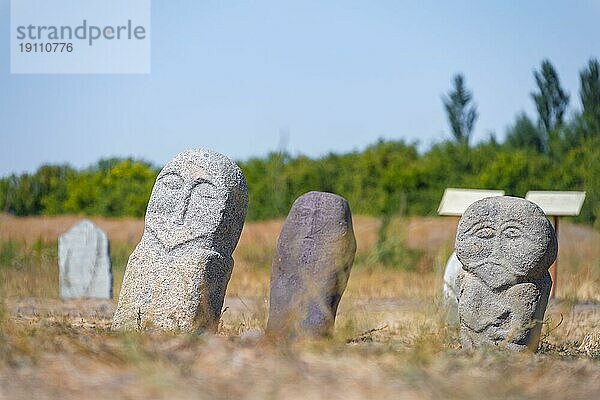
337,75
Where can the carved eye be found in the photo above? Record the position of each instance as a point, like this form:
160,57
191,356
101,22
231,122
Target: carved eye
512,232
305,212
484,232
172,181
206,190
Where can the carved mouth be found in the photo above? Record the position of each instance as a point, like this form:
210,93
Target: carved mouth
172,235
496,275
499,264
488,262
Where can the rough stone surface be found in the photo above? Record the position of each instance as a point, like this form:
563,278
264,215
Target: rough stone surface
506,245
453,267
177,275
84,263
311,266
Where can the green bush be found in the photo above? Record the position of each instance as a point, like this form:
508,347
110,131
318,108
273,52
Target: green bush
388,177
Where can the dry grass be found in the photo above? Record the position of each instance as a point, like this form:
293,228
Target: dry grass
390,339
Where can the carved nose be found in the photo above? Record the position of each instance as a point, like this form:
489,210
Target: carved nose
311,219
495,250
179,215
182,207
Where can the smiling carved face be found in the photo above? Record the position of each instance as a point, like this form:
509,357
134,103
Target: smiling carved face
505,241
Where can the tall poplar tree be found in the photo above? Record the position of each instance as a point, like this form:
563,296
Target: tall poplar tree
461,110
590,97
550,99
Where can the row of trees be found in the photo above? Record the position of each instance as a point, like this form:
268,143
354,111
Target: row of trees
112,187
551,102
387,177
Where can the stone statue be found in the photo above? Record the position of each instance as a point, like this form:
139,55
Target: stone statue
311,266
177,275
506,245
453,267
84,263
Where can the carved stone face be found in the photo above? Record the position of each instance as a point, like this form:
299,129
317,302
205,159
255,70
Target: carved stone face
505,240
198,196
311,266
317,219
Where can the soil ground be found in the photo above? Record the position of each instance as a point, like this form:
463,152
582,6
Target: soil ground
391,338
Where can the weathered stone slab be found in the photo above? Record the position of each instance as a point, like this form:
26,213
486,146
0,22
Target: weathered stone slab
506,245
311,266
84,263
177,275
453,267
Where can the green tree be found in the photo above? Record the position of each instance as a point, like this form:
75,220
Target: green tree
52,187
83,192
580,170
260,190
524,135
550,99
4,187
387,178
516,172
590,98
125,188
461,111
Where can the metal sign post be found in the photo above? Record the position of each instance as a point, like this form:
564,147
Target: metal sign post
557,204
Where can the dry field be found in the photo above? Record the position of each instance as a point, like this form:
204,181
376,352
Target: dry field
390,340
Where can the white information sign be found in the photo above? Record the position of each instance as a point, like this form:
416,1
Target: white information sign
456,201
557,203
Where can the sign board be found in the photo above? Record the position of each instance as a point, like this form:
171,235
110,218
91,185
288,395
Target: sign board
557,203
456,201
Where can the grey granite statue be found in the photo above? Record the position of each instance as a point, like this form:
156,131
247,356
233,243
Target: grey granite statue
311,266
84,263
506,245
177,275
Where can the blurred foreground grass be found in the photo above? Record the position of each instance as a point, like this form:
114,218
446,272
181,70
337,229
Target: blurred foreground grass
390,341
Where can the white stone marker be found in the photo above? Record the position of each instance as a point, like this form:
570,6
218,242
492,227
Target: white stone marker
84,262
453,268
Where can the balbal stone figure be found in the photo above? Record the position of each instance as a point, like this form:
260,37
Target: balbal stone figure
311,266
177,275
84,263
453,268
506,245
